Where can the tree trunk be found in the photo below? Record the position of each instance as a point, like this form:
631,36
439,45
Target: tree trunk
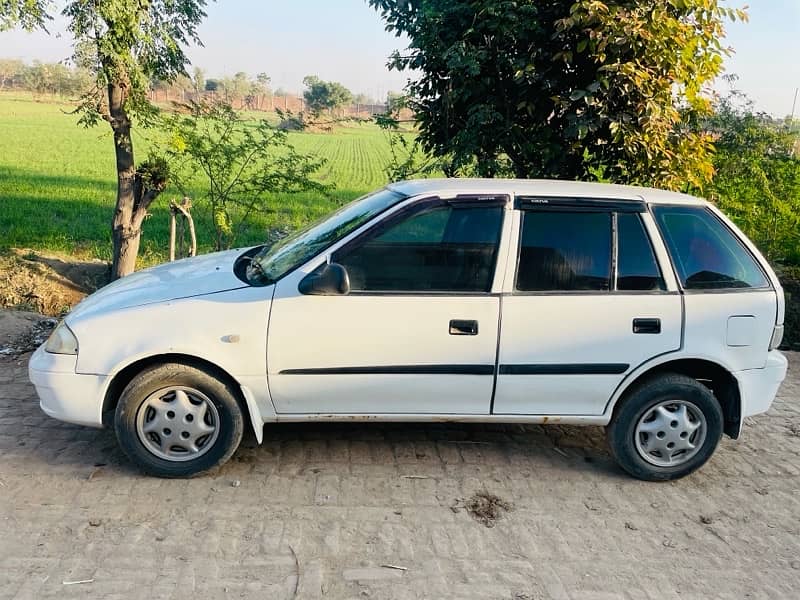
124,237
133,195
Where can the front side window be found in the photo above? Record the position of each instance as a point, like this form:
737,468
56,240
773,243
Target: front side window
273,262
564,251
705,253
438,247
637,269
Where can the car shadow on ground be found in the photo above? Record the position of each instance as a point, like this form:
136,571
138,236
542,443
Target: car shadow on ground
425,449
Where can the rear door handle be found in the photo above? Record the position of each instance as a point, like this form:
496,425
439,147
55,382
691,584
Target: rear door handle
647,326
463,327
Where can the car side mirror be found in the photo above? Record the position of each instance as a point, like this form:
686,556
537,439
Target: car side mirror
328,280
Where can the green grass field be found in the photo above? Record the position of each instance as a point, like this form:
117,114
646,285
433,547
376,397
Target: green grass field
58,184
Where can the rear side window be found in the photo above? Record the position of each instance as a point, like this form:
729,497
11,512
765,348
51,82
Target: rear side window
637,269
705,253
564,251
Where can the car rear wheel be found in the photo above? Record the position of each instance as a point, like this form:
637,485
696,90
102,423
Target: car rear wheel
665,428
175,420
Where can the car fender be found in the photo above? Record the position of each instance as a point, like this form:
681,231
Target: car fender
226,329
653,363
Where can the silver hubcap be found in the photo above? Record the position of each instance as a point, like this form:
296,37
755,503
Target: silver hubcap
177,423
670,433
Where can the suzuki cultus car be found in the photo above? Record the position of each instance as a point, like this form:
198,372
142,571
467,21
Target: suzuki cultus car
641,310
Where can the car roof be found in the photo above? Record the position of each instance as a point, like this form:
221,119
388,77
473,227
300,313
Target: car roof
542,187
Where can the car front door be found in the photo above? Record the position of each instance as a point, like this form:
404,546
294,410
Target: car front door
586,304
417,333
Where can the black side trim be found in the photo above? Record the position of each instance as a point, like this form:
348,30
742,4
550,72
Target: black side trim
565,369
397,370
578,204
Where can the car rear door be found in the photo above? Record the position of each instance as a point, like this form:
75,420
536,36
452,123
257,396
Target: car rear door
585,303
418,331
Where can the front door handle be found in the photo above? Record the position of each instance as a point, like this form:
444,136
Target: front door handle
463,327
647,326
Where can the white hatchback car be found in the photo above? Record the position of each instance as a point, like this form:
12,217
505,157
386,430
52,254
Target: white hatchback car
508,301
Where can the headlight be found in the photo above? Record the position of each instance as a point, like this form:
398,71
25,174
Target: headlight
62,341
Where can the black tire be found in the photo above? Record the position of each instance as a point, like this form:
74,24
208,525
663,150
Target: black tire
229,420
621,432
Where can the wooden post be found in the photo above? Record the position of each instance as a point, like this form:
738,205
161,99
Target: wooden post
171,234
181,210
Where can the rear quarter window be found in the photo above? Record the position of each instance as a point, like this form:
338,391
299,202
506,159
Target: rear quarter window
706,254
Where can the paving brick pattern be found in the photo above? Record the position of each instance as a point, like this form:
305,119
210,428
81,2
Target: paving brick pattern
319,508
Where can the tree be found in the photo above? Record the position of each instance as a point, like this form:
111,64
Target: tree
198,80
125,45
407,158
395,102
241,163
9,69
757,180
362,100
258,87
571,89
37,78
324,95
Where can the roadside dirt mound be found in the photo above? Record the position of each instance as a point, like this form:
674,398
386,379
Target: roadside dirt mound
46,283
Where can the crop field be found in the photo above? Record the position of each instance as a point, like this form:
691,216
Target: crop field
58,183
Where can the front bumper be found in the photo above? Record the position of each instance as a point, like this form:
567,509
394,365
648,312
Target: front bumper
758,387
64,394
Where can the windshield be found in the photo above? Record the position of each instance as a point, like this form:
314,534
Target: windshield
273,262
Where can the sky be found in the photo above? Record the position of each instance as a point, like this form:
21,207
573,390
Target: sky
345,41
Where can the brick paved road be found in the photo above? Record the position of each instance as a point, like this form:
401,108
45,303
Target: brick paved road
316,511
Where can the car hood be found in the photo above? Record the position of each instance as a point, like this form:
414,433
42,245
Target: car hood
184,278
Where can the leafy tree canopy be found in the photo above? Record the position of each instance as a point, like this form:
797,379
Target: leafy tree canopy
28,14
130,44
757,180
574,89
240,162
324,95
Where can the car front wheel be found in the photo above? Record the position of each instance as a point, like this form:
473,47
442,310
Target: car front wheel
665,428
176,420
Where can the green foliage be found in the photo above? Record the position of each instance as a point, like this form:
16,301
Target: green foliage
407,157
757,181
395,102
44,78
567,89
324,95
130,44
27,14
241,163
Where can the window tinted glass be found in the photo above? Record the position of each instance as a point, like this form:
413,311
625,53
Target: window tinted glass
273,262
637,268
705,253
427,226
439,248
564,251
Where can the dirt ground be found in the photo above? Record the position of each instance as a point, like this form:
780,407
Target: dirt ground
49,284
355,511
